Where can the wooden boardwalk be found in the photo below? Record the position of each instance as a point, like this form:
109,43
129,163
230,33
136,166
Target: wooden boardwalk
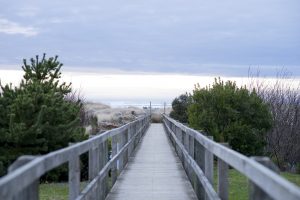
153,172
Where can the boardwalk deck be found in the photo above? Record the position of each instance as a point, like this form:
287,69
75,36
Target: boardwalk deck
153,172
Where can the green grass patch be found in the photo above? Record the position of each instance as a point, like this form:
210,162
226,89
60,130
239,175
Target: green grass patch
239,185
294,178
54,191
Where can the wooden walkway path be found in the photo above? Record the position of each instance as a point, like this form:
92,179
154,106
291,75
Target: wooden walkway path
153,172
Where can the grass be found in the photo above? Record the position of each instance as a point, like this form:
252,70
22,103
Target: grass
294,178
238,183
59,191
54,191
238,186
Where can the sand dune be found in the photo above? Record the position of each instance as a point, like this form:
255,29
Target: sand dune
110,117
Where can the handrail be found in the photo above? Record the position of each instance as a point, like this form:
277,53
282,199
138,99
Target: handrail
17,181
271,183
198,171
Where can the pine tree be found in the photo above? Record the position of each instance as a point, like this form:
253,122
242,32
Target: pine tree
36,117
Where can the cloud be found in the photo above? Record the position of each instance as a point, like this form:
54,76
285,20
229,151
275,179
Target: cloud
194,37
28,11
13,28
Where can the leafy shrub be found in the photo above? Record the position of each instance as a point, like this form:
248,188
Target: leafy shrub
298,168
179,108
231,114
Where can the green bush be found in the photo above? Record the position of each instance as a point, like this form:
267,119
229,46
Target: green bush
36,117
179,108
231,114
298,168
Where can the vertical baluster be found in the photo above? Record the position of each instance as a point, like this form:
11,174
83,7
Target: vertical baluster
113,153
94,168
209,165
186,145
223,178
130,134
256,192
74,177
200,160
104,158
120,145
125,154
192,154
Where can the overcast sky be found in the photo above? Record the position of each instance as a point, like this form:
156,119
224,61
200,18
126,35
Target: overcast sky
210,37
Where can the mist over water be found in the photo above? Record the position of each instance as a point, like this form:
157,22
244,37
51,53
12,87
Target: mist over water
132,89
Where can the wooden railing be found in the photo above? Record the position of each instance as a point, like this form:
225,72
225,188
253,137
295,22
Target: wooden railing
197,153
23,178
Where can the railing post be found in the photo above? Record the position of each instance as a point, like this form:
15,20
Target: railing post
134,131
141,131
180,137
185,144
191,153
175,130
126,153
130,134
137,138
119,147
191,147
31,192
254,190
94,160
223,177
209,164
200,160
94,167
104,159
114,150
168,123
74,177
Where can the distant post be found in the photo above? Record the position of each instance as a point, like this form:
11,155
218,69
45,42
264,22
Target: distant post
164,107
150,108
255,191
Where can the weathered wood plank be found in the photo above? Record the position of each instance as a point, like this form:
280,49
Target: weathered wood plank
200,160
113,153
94,166
209,164
192,154
74,177
223,183
105,182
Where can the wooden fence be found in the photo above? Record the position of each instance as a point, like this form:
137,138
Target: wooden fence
23,179
197,153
